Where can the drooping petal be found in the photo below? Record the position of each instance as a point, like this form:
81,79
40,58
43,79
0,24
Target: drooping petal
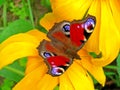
47,82
96,71
92,45
79,77
115,7
38,34
17,46
65,83
32,79
33,63
109,36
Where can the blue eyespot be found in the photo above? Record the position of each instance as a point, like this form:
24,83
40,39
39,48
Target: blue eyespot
56,71
47,54
90,20
66,28
89,25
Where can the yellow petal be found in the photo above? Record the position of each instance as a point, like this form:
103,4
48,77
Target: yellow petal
49,20
65,83
38,34
17,46
109,37
115,7
94,70
70,9
92,45
22,37
79,78
33,63
47,82
31,80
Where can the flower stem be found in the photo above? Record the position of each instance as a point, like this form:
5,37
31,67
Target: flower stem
5,14
30,13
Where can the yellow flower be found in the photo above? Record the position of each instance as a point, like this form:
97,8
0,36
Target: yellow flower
106,35
105,39
36,78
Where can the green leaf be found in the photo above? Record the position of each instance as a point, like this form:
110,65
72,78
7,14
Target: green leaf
13,72
2,2
110,73
111,67
7,85
23,62
18,26
56,88
94,55
118,64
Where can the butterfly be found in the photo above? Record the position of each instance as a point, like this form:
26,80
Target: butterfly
66,38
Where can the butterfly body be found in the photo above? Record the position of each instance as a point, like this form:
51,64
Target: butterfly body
66,39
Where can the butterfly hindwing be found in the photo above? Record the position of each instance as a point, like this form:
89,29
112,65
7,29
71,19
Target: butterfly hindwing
55,59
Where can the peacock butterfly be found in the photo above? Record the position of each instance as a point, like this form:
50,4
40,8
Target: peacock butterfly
66,39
